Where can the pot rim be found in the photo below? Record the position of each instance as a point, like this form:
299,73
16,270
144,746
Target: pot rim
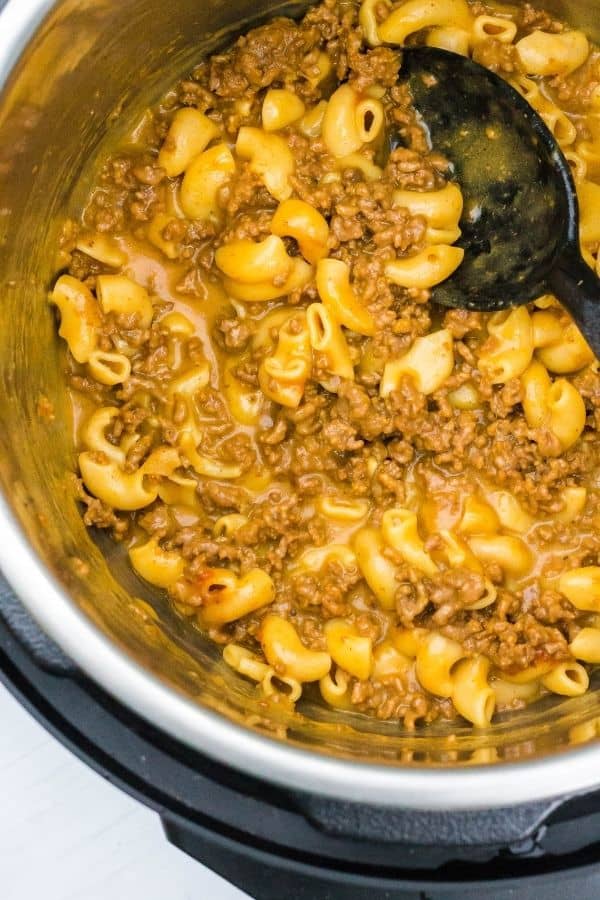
485,786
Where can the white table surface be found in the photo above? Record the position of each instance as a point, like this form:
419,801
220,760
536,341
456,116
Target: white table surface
66,834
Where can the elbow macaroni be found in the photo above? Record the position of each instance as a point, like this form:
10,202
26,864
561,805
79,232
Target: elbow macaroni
500,29
509,348
254,262
283,375
189,134
280,108
447,37
102,248
333,285
269,157
442,208
509,512
301,221
326,337
343,509
205,465
349,650
288,655
415,15
429,362
399,531
316,558
109,368
93,434
250,666
121,295
261,291
155,234
541,53
582,587
426,268
585,646
157,566
350,121
557,406
80,316
378,571
435,660
472,695
367,17
203,179
568,678
559,344
510,552
334,689
218,379
224,597
104,478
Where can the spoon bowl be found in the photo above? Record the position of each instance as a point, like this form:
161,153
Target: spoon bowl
520,221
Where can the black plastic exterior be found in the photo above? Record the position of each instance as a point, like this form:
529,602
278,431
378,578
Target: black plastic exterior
275,844
42,649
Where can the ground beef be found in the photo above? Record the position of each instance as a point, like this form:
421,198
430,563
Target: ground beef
461,322
395,700
366,212
424,453
497,56
327,590
233,334
273,53
514,646
531,19
377,66
98,514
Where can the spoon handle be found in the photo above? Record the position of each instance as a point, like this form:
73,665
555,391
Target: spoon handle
578,289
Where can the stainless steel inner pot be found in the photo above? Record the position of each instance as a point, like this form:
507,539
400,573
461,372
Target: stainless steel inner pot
68,68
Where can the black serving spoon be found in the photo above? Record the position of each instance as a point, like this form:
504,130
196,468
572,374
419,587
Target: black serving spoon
520,223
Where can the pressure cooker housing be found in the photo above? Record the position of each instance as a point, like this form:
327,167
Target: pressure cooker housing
75,73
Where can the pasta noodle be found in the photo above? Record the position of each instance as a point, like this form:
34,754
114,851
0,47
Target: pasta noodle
301,221
426,268
189,134
414,15
286,652
203,178
269,157
350,121
280,108
79,316
337,481
429,362
541,53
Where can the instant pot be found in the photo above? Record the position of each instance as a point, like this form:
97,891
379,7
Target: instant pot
315,803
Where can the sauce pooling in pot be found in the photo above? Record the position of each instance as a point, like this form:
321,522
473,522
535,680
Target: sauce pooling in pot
349,489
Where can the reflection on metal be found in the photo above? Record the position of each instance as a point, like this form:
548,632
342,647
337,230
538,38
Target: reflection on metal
54,115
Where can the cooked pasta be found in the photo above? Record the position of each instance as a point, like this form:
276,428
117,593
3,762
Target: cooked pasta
365,500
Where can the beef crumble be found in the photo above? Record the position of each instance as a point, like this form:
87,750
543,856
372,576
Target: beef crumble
426,453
